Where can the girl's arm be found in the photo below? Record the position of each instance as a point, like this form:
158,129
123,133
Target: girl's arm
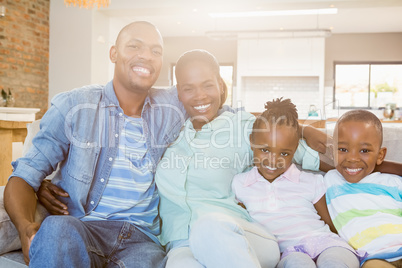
322,210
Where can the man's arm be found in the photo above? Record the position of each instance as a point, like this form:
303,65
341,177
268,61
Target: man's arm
20,204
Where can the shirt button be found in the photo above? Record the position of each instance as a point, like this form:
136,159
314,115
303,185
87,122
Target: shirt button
102,180
120,114
92,202
88,144
110,159
116,135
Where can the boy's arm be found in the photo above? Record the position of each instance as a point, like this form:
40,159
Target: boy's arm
20,204
322,210
389,167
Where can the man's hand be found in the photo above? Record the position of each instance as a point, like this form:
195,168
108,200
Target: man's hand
47,194
26,238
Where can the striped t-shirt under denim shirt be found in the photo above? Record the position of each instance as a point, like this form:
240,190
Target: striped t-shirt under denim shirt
130,194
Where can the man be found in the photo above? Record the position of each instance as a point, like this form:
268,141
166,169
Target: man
107,141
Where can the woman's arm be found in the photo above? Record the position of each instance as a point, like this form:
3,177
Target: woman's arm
322,210
315,138
389,167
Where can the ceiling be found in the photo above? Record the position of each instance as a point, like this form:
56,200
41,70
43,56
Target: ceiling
191,17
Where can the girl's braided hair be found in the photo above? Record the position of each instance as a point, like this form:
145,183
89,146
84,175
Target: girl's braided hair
279,112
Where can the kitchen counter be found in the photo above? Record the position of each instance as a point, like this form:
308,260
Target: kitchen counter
10,131
382,120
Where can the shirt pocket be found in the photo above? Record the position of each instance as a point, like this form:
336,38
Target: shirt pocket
82,162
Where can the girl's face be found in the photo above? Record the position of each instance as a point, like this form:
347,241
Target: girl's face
273,147
200,91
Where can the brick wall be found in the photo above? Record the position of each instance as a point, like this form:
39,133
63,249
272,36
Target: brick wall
24,52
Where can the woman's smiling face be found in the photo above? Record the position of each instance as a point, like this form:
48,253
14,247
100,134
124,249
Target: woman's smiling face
199,90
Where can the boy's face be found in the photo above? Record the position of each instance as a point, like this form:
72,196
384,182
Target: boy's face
273,148
357,150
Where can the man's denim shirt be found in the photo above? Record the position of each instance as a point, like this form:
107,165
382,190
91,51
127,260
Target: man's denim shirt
80,133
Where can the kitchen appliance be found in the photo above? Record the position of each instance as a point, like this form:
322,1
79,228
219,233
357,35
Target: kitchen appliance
389,111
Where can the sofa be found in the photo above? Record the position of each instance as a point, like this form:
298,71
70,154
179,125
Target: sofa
11,255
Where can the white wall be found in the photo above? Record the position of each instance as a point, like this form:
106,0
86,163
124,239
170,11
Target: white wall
76,58
224,51
80,40
101,43
280,57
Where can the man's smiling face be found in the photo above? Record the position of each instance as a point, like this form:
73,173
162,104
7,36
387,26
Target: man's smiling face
138,57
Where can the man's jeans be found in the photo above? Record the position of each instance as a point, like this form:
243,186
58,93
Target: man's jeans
65,241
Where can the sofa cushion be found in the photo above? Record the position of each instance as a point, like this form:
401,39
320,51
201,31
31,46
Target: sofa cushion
13,259
9,239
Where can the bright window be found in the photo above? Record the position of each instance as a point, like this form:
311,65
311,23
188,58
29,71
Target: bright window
367,85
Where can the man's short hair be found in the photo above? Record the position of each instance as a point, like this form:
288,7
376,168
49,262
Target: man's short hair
362,116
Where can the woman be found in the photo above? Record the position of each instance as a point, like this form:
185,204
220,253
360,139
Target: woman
199,213
202,224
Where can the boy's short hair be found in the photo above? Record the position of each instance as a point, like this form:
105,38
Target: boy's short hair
362,116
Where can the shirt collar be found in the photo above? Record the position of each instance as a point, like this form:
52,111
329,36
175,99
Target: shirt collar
292,174
112,101
215,124
252,177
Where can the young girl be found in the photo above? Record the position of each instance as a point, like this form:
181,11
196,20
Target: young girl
288,202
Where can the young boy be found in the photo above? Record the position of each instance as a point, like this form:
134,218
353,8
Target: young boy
365,207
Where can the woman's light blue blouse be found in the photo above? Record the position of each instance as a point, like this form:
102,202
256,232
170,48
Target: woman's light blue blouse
195,174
